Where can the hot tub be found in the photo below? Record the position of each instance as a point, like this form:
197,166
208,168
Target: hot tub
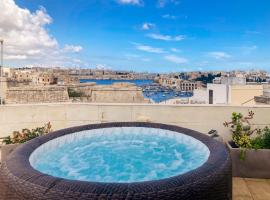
119,161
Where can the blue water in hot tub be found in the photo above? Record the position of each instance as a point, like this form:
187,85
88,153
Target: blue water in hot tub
120,155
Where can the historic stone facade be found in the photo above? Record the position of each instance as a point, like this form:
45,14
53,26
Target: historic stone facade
38,94
115,93
118,92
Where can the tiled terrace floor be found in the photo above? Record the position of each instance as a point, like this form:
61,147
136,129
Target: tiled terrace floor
251,189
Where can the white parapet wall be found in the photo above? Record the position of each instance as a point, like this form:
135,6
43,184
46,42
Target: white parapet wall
198,117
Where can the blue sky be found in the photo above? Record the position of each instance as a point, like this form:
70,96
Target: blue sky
155,35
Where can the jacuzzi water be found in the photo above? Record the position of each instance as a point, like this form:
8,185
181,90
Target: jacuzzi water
122,155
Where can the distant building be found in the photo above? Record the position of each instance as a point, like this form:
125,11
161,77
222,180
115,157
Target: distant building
180,84
46,79
233,80
6,72
263,99
188,85
217,80
66,80
22,75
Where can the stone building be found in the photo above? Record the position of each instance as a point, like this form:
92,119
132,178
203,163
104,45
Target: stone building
188,85
46,79
22,75
183,85
66,80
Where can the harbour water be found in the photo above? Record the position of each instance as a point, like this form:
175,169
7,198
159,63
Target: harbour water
151,90
109,81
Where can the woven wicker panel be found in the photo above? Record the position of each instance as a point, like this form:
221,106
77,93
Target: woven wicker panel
211,181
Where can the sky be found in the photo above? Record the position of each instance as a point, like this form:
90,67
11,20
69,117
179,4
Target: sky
138,35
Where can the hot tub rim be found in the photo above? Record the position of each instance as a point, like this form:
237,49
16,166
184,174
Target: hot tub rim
19,166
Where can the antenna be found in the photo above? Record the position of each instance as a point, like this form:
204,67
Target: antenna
1,71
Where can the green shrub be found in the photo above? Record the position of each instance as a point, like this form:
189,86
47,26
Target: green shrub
74,93
262,141
267,138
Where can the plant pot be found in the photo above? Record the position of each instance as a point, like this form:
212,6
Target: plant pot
6,150
255,165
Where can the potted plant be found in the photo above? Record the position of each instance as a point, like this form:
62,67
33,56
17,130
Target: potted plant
17,138
249,147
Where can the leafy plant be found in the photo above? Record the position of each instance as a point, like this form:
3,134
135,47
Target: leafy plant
244,136
27,134
241,129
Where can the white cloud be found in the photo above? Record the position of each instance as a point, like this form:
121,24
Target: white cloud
166,37
168,16
219,55
176,59
26,37
137,57
73,48
149,49
103,67
163,3
147,26
132,2
175,50
16,57
246,50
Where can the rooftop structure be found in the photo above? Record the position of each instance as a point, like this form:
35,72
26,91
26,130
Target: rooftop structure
227,94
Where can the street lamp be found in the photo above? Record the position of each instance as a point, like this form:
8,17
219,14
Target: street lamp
1,71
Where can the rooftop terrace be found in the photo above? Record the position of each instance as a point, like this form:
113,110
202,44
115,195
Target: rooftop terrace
198,117
251,189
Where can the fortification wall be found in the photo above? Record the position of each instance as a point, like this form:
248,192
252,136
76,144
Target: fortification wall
43,94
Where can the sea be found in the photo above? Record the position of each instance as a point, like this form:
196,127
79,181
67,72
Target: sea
150,89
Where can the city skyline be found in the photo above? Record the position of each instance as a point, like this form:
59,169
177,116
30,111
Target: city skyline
154,36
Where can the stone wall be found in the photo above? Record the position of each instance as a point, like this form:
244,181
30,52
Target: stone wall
37,94
62,115
85,88
118,93
115,93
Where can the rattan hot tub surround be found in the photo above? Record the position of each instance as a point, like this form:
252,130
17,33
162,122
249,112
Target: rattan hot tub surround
210,181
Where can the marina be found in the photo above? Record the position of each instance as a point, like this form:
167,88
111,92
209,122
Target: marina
151,90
